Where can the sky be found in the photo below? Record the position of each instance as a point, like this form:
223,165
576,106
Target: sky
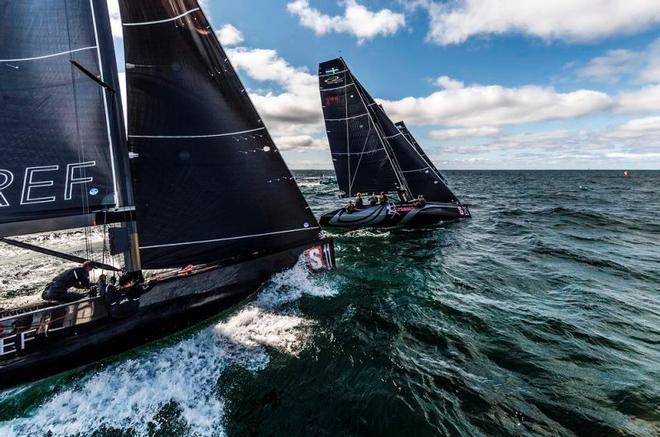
482,84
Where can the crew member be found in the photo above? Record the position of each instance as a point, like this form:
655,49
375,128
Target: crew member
102,285
384,200
351,207
112,294
58,289
359,202
420,202
373,200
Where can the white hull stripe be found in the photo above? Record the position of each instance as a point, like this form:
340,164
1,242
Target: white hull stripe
228,134
242,237
337,88
347,118
167,20
49,56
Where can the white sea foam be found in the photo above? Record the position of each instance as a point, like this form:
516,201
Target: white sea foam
130,394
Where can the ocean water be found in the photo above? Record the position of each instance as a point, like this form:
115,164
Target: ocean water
540,316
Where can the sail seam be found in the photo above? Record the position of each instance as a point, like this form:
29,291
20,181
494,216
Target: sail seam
166,20
346,118
394,136
360,153
337,88
415,171
35,58
197,136
217,240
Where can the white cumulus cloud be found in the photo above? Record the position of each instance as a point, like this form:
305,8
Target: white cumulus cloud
455,21
292,113
470,132
357,20
643,65
494,105
229,35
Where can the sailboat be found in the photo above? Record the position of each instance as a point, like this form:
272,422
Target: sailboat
197,194
373,156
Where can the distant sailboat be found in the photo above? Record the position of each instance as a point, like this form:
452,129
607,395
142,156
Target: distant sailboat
207,188
373,155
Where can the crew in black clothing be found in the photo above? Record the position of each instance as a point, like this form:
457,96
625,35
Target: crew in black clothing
112,294
373,200
384,200
58,289
420,202
359,202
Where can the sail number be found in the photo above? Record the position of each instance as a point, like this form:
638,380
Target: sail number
38,183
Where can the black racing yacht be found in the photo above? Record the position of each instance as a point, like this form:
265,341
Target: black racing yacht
197,197
375,157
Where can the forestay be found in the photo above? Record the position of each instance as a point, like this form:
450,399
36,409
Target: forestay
210,183
60,138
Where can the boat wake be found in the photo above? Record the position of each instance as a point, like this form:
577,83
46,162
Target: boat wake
143,393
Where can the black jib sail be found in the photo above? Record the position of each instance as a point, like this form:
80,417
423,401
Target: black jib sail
63,157
360,154
412,140
420,175
210,183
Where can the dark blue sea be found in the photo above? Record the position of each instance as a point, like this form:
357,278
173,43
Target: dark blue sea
540,316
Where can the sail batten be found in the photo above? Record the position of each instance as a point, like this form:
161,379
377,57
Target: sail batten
210,182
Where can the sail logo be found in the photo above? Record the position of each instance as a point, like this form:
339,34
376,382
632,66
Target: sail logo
332,100
39,183
333,70
334,80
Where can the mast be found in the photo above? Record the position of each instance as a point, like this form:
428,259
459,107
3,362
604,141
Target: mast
117,132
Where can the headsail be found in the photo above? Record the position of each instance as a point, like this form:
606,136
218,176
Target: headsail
60,136
360,153
413,141
210,183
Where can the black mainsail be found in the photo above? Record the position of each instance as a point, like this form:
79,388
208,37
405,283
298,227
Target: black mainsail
61,134
411,167
361,155
210,183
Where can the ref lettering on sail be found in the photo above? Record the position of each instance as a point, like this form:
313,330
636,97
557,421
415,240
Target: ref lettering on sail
63,157
50,183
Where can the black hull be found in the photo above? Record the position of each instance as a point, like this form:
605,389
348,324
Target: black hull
84,333
401,215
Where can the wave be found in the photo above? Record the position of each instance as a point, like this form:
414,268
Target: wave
133,394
